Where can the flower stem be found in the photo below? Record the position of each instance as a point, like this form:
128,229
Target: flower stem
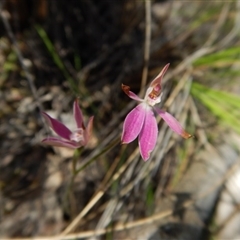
106,149
69,198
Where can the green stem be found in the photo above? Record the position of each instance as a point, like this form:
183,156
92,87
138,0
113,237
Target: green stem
106,149
76,156
69,189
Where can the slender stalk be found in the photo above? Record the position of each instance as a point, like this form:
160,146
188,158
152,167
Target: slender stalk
147,44
69,196
106,149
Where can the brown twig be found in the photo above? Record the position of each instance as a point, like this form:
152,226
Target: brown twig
5,15
147,44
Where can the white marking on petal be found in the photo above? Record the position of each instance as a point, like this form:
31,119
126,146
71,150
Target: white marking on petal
77,135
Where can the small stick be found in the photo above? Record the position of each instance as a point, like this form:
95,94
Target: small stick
147,44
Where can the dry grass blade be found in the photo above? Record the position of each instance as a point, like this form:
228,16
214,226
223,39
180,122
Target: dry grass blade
234,31
4,15
222,18
145,221
147,45
96,197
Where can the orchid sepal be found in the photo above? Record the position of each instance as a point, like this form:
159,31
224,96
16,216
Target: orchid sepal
148,134
131,94
133,124
56,142
59,128
173,123
77,113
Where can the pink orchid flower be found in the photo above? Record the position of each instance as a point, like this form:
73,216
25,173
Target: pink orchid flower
70,139
141,120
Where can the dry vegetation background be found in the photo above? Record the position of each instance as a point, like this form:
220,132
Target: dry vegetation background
52,51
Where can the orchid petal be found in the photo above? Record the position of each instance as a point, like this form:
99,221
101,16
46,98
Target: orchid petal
157,80
133,123
88,131
59,128
53,141
148,135
173,123
131,94
77,113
